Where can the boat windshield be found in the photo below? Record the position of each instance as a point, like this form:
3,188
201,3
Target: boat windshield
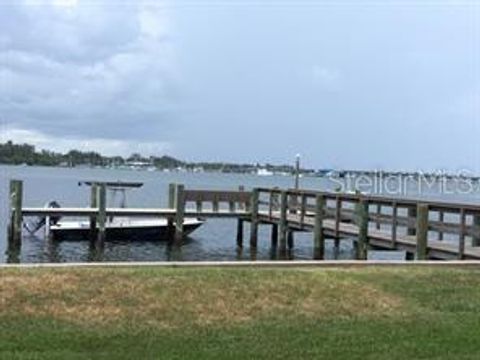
115,188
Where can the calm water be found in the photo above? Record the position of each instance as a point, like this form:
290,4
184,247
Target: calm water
215,240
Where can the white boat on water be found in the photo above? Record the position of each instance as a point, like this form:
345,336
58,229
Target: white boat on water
116,228
124,228
264,172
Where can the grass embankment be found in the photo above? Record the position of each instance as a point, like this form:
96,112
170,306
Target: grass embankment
142,313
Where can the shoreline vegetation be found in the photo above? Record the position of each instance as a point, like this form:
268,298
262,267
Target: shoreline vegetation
151,313
25,154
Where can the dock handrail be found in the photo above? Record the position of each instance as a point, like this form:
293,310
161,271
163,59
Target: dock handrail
438,217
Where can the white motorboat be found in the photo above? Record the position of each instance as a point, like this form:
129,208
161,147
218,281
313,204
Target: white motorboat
116,228
124,228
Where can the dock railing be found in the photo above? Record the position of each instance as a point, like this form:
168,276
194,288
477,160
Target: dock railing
207,203
427,223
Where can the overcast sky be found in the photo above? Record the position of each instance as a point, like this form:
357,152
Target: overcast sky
392,85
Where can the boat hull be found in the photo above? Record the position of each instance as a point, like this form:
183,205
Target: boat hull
128,230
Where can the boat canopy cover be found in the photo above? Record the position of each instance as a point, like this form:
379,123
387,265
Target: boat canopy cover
113,184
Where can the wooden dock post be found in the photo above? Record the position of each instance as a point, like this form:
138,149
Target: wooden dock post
254,218
338,215
240,221
318,236
379,213
274,235
171,205
240,233
476,228
290,239
179,213
422,231
171,195
338,219
362,215
15,228
461,240
242,206
215,204
93,205
412,214
283,222
394,224
102,214
231,206
441,218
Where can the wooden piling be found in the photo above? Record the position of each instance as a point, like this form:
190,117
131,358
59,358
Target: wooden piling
293,205
338,215
362,219
275,205
102,213
270,205
318,236
231,206
172,188
379,213
461,240
394,224
412,215
422,231
179,214
441,217
338,219
476,228
215,205
240,233
242,206
303,210
283,221
274,235
254,218
93,205
16,217
171,195
290,239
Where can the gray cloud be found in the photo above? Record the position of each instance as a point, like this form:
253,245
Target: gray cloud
87,70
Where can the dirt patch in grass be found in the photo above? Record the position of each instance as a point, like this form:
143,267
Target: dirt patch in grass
177,298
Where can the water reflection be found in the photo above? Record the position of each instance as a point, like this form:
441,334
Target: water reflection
173,253
13,255
96,251
38,249
51,251
274,253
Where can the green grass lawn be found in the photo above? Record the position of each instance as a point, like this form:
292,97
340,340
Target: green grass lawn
158,313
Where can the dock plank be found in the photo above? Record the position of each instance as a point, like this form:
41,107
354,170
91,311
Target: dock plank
134,212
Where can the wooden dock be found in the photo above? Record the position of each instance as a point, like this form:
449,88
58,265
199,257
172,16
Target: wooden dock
428,230
425,230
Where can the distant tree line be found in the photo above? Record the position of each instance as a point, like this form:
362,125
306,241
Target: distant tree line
18,154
